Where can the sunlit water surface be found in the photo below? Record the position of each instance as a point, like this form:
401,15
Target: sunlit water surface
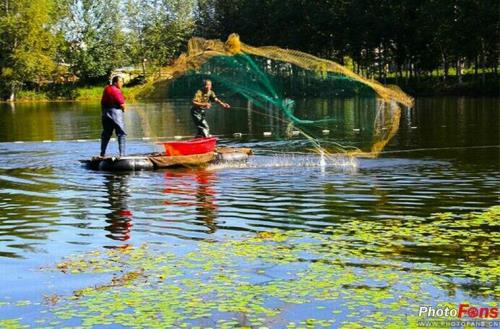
444,158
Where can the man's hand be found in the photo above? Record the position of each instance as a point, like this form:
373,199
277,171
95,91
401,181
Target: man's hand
222,104
208,105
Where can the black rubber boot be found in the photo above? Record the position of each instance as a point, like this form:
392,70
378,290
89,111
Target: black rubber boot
121,145
104,145
198,116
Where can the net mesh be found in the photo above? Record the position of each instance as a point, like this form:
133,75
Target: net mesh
203,56
272,76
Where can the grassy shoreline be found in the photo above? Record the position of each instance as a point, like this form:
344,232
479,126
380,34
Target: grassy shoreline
78,94
437,86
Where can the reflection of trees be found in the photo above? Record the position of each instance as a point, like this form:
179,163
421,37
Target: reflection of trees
120,218
195,189
367,124
386,125
174,119
451,121
27,122
49,121
373,122
165,119
376,121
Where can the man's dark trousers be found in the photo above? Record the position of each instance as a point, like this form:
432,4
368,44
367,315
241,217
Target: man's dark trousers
112,120
198,115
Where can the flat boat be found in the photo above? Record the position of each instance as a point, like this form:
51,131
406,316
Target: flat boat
190,153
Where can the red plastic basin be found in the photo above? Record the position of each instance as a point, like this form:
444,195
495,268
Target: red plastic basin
190,147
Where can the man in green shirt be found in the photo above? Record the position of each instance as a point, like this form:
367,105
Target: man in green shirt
201,102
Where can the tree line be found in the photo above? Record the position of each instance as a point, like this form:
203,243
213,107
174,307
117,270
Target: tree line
45,40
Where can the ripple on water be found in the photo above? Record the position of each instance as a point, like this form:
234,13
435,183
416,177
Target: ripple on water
52,192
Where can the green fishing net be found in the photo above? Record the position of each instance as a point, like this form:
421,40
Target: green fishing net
272,77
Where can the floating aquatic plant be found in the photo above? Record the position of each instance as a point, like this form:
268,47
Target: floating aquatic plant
356,274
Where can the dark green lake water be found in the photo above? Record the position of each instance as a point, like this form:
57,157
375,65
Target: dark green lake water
443,158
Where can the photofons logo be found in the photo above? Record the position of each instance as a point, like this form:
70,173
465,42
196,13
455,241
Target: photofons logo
461,316
463,311
474,312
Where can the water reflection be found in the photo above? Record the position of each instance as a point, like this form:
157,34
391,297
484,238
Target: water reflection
28,209
205,199
350,119
45,196
193,189
119,219
356,122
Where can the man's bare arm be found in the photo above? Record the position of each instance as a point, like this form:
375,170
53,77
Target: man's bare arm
221,103
201,104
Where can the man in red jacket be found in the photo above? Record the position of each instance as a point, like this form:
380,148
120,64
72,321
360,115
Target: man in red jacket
113,106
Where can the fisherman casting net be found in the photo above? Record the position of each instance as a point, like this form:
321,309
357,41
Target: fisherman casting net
274,78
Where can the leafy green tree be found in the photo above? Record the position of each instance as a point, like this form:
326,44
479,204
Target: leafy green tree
96,36
158,30
28,44
95,39
207,19
416,37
